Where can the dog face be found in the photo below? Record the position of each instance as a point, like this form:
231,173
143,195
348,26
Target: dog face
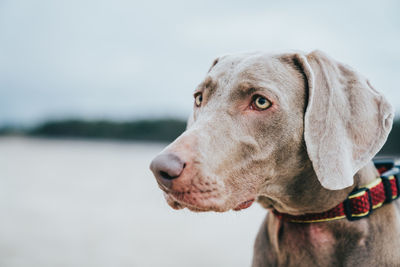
247,140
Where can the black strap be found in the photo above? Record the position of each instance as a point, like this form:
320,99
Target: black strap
347,209
371,206
388,189
395,171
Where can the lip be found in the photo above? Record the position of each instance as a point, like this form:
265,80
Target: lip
244,205
181,205
179,200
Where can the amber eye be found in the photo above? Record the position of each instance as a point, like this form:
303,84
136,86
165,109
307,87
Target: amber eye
198,98
260,103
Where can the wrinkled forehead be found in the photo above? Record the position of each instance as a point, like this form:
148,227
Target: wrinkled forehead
232,73
240,66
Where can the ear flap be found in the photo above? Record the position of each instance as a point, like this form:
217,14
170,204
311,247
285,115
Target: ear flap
346,121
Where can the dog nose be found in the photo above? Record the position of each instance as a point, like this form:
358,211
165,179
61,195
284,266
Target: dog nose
167,167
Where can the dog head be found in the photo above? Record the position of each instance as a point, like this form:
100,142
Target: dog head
286,129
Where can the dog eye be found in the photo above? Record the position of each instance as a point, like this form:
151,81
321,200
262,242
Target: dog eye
198,98
260,103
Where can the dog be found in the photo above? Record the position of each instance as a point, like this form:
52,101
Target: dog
295,132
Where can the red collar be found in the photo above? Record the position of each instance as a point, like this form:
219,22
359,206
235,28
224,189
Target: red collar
361,202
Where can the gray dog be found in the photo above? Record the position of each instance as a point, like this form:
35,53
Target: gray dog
295,132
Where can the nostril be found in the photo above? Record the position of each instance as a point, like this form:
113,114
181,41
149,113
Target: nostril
167,176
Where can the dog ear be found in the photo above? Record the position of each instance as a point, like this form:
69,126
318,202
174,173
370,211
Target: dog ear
346,120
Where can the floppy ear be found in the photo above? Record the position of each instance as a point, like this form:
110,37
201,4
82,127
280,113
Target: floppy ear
346,121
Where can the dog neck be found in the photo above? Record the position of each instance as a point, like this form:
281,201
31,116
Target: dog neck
328,242
366,175
361,202
322,242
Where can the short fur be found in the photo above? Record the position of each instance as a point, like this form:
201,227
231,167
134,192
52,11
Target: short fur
302,155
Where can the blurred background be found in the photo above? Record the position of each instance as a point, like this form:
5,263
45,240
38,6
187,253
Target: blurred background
91,90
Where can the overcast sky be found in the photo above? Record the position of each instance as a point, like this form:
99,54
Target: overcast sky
128,59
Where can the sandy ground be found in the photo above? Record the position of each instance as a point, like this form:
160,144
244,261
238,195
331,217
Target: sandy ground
78,203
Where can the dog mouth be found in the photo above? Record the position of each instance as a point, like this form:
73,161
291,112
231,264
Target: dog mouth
201,199
196,200
179,200
244,205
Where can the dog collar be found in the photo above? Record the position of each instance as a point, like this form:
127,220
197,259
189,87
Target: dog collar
360,202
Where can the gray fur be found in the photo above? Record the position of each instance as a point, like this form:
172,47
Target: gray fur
302,155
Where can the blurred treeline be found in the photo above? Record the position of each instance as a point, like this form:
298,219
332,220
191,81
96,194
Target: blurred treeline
164,130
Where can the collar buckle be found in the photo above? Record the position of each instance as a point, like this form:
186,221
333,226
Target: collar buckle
355,205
